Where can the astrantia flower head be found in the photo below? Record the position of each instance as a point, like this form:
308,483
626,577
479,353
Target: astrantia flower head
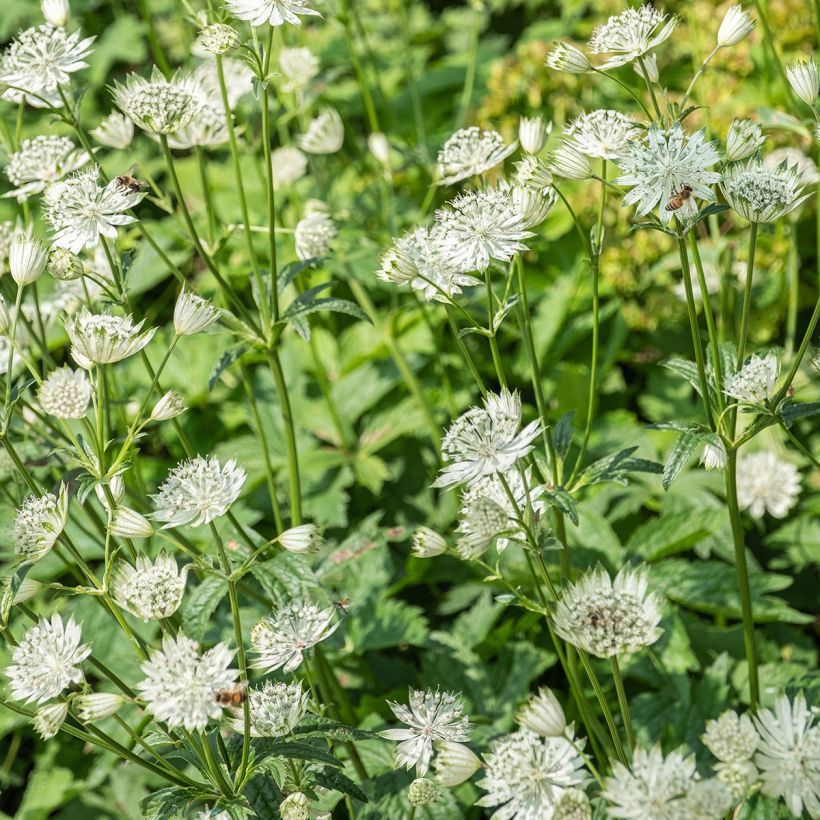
804,79
295,807
38,524
180,682
428,543
275,709
762,194
732,738
658,165
280,639
193,313
806,166
41,60
218,38
789,754
169,406
543,715
569,58
152,590
533,133
765,483
314,235
325,133
744,138
65,393
470,152
755,381
102,338
39,162
298,66
573,804
197,491
631,34
158,105
602,133
706,800
128,523
480,226
737,25
49,719
289,164
115,131
47,660
526,775
430,716
275,12
609,617
422,792
454,763
80,211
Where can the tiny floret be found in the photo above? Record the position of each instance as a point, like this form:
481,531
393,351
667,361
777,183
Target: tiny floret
65,393
39,522
422,792
469,153
152,590
732,738
766,483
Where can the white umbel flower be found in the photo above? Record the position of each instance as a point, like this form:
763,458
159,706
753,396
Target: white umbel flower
658,165
159,105
568,162
275,709
275,12
49,719
80,211
55,12
314,235
743,139
101,338
737,25
732,738
573,804
115,131
97,705
298,66
631,34
65,393
180,682
39,162
454,764
707,799
288,164
486,440
760,193
422,792
568,58
607,617
427,543
47,660
792,157
765,483
470,152
804,79
789,754
218,38
301,539
430,716
602,133
526,775
27,259
325,133
755,381
152,590
197,491
193,313
543,715
281,639
39,523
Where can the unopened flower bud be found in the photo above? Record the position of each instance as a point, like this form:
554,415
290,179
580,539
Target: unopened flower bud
5,318
543,715
533,133
428,543
49,719
129,523
295,807
379,147
63,264
115,488
55,12
219,38
736,26
422,792
455,763
569,163
804,80
571,59
304,538
98,705
650,67
168,407
743,139
27,259
193,313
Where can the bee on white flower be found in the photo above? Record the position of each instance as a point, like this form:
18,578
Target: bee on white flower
275,12
152,590
275,709
325,133
760,193
39,523
766,483
41,161
102,338
470,152
631,34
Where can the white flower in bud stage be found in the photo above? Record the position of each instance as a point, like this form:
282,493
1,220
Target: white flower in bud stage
804,79
470,152
543,715
159,105
281,638
427,543
27,259
55,12
602,133
533,133
275,709
794,157
568,162
454,764
430,717
568,58
295,807
379,147
532,173
49,719
649,69
631,34
97,705
39,522
180,682
193,313
128,523
607,617
304,538
111,492
169,406
422,792
486,440
115,131
737,25
47,660
152,590
325,133
765,483
289,164
101,338
298,66
65,393
534,204
314,235
5,318
65,265
197,491
41,161
275,12
218,38
714,455
743,139
755,381
762,194
526,775
732,738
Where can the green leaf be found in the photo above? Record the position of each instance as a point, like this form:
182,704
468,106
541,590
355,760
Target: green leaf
686,444
286,576
231,355
387,623
333,779
291,271
294,750
332,304
562,434
558,497
264,796
673,533
166,804
332,729
790,411
685,369
10,586
201,604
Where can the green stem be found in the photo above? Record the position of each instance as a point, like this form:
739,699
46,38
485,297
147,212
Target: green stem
270,198
206,193
364,89
153,40
472,65
649,88
747,297
496,353
622,701
290,438
465,353
801,351
792,289
697,76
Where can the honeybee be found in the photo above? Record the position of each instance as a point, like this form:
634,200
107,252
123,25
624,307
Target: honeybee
342,605
679,197
232,696
127,181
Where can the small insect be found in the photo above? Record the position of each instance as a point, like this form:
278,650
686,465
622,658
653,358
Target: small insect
343,604
232,696
679,197
127,181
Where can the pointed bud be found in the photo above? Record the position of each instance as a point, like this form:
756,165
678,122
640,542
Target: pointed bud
5,318
26,591
304,538
55,12
380,148
49,719
169,406
193,314
27,259
743,139
533,133
565,57
804,80
116,487
97,705
737,25
543,715
569,163
428,543
650,63
129,523
455,763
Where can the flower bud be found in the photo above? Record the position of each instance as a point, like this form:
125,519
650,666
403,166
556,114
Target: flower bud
218,38
565,57
743,139
737,25
65,265
543,715
97,705
26,591
422,792
193,314
804,80
650,65
428,543
129,523
714,456
295,807
27,259
169,406
116,488
379,147
304,538
455,763
49,719
533,133
55,12
569,163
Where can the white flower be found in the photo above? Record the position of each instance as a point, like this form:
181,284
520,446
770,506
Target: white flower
789,754
49,719
608,618
379,147
427,543
39,523
55,12
755,381
658,165
527,775
275,12
27,259
193,313
47,660
80,211
197,491
41,161
325,133
65,393
100,338
159,105
569,58
41,60
218,38
706,800
275,709
5,318
762,194
744,138
794,157
804,80
455,763
740,778
66,266
128,523
299,66
653,788
714,455
281,639
430,717
180,683
534,204
631,34
115,131
573,804
737,25
602,133
97,705
543,715
295,807
314,235
304,538
486,440
470,152
422,792
732,738
533,133
169,406
289,164
568,162
765,483
152,590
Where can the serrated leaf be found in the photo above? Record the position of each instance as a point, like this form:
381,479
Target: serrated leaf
291,271
286,576
166,804
263,795
686,444
231,355
685,369
673,533
791,411
332,304
562,434
332,729
294,750
201,604
558,497
333,779
305,298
